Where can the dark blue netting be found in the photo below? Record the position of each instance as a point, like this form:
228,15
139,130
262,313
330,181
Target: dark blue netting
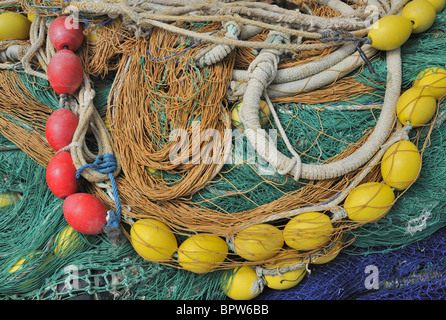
416,272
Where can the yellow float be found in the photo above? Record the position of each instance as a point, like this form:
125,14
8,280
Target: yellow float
107,124
264,114
155,173
401,165
390,32
26,265
92,35
153,239
17,266
417,105
308,231
285,280
67,242
202,252
238,283
7,199
329,254
14,26
421,13
433,78
258,242
369,202
438,5
92,32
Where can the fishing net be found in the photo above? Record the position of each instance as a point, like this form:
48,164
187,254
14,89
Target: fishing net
153,82
413,273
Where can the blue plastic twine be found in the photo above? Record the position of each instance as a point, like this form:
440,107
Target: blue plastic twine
106,164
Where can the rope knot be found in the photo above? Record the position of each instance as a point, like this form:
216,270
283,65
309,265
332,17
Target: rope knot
339,36
107,164
113,219
104,163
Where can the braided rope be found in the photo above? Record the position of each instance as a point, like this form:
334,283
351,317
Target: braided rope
90,118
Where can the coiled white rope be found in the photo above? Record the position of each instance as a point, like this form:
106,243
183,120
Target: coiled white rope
262,69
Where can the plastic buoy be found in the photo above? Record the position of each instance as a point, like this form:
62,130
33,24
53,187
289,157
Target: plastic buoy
264,114
7,199
201,253
65,72
14,26
328,254
31,16
61,175
308,231
67,242
85,213
284,280
401,165
390,32
421,13
66,34
416,105
93,33
28,263
438,5
154,172
238,283
60,128
369,202
258,242
433,78
153,239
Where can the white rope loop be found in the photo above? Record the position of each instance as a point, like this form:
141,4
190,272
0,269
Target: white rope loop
262,72
217,52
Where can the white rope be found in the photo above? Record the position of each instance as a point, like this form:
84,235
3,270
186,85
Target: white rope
259,140
310,83
297,162
37,39
270,17
341,7
307,69
218,52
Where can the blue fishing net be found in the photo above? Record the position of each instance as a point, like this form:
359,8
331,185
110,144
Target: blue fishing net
417,271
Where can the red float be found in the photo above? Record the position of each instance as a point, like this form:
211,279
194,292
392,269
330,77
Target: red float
85,213
65,33
61,175
60,128
65,72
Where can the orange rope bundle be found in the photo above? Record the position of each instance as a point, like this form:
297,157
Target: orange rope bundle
159,95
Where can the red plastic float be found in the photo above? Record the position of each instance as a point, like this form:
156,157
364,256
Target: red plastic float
66,34
85,213
60,128
65,72
61,175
